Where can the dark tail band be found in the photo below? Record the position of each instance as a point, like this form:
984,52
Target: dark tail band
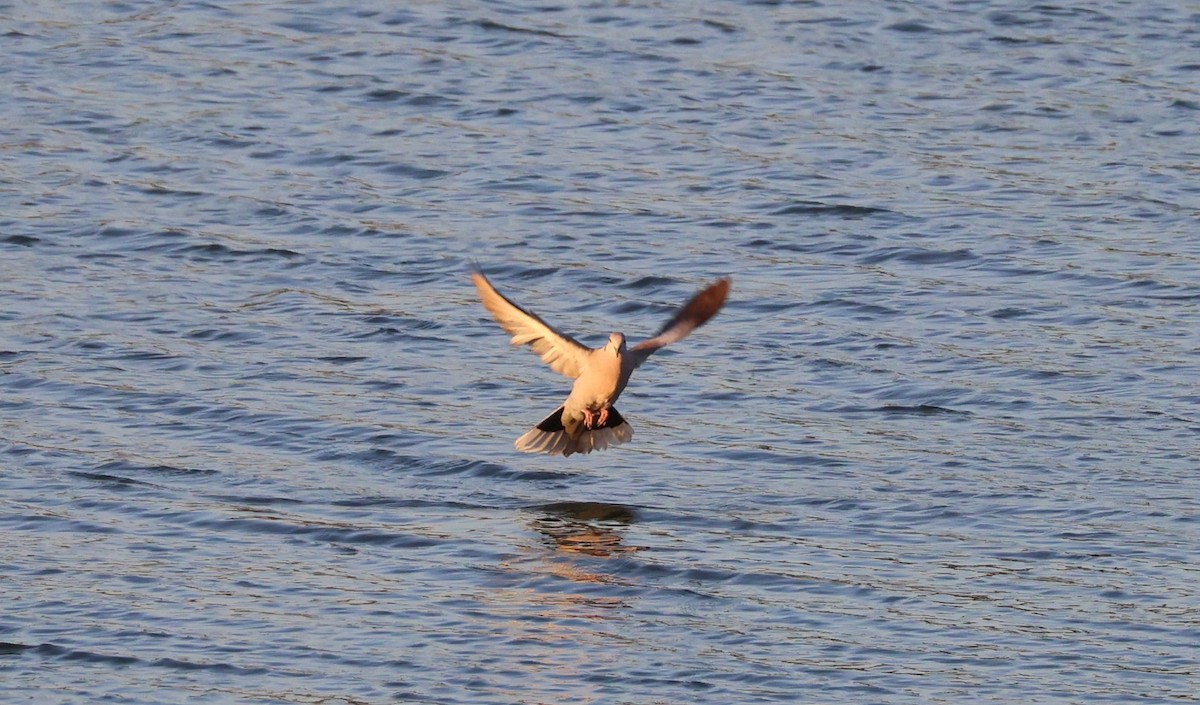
553,423
551,436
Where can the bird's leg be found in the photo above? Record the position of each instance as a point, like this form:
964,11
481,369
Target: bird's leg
603,416
589,418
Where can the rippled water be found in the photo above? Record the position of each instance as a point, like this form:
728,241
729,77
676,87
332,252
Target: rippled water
257,430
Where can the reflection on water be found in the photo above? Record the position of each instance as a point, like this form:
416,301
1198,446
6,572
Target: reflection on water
591,528
563,583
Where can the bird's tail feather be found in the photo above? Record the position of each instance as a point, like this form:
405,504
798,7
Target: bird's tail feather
551,436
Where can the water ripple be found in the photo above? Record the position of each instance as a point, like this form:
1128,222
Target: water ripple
258,431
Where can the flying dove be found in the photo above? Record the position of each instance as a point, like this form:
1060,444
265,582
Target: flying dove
587,420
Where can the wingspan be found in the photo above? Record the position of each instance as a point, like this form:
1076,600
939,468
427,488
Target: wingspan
563,353
694,314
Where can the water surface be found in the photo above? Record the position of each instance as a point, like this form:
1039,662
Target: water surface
256,430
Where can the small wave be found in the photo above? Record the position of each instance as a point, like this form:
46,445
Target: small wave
256,501
840,210
55,651
498,26
918,255
409,171
217,251
481,468
295,527
123,466
919,410
650,282
855,306
114,481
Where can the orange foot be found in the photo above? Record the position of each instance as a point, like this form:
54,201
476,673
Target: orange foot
595,419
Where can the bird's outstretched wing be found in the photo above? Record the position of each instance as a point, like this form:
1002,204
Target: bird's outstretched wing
694,314
563,353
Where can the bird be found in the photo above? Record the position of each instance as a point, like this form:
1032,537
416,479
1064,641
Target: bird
588,419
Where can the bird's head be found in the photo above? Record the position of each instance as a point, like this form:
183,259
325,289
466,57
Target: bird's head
616,342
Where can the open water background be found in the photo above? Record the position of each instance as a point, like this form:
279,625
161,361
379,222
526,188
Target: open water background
256,431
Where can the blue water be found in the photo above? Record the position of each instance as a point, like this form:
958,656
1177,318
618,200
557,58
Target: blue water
942,446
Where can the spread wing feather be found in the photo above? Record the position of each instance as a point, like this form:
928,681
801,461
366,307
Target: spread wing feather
694,314
563,353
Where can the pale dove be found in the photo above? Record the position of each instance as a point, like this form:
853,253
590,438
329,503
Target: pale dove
587,420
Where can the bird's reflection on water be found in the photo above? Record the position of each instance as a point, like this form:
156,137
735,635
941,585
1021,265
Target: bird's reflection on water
591,528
